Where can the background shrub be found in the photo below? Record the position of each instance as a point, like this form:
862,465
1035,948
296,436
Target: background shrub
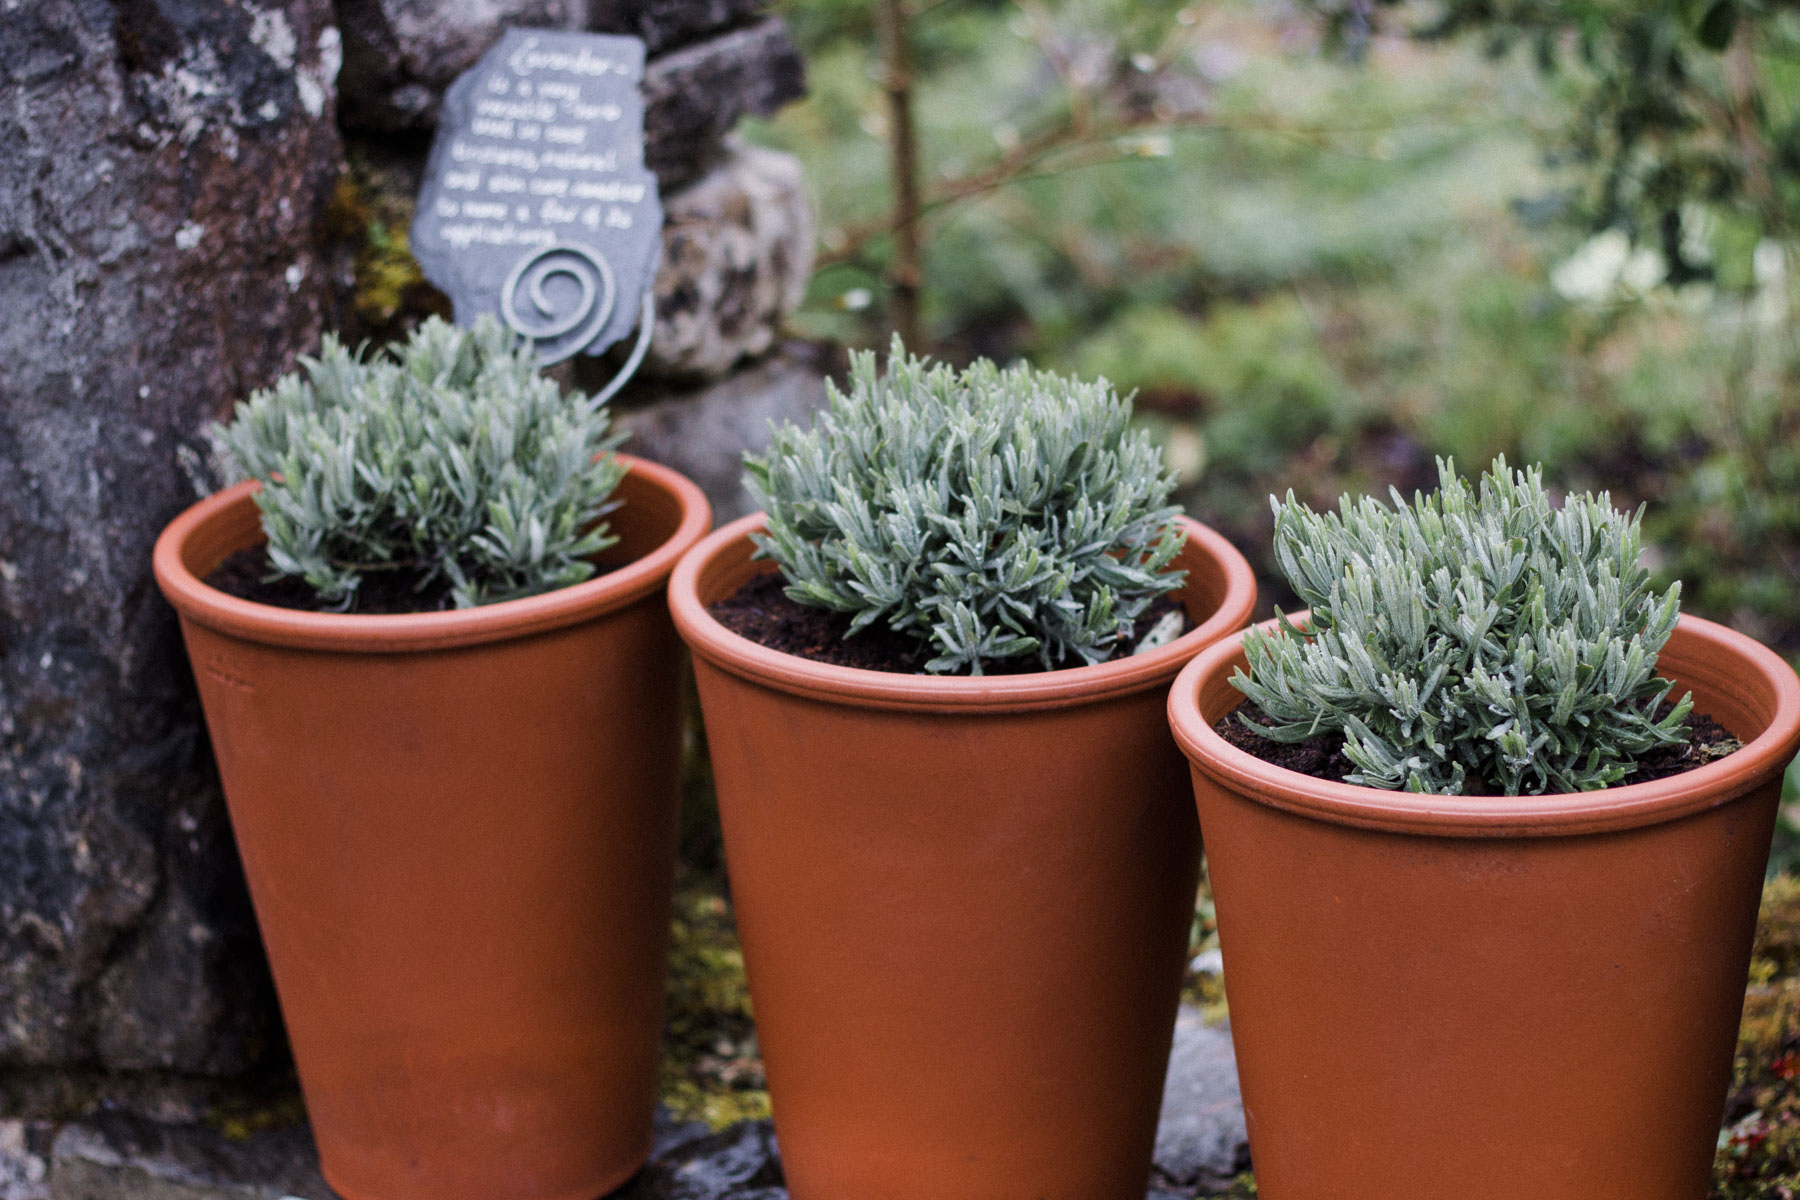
989,514
448,459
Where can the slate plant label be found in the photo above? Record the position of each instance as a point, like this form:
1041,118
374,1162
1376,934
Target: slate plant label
536,205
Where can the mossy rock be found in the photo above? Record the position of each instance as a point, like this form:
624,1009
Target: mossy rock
712,1068
370,213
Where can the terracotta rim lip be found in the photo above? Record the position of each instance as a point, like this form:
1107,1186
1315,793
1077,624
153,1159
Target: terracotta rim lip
861,688
405,632
1558,814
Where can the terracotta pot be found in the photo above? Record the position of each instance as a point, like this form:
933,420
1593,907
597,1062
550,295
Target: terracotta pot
964,902
1491,998
459,834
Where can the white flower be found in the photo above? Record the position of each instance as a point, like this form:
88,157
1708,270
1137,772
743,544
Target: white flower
1605,267
1769,266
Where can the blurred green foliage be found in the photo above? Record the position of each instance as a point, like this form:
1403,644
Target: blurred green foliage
1327,242
1257,370
1687,110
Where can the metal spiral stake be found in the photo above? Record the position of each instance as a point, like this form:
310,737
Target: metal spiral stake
646,327
527,307
540,321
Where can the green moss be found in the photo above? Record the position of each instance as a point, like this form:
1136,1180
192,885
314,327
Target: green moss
712,1069
694,1101
1777,952
370,213
385,271
1204,990
241,1122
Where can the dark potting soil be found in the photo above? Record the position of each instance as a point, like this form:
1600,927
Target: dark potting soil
763,612
1323,757
248,576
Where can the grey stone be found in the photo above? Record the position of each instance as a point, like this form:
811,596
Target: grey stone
24,1160
496,253
1201,1138
61,1092
116,1157
120,1158
737,254
166,170
665,24
400,55
738,1163
671,1133
703,434
737,251
695,96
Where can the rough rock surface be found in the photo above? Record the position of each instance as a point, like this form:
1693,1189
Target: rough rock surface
738,248
704,433
664,24
400,55
24,1160
1200,1144
739,1163
122,1158
695,96
737,254
164,171
116,1157
1202,1139
119,1158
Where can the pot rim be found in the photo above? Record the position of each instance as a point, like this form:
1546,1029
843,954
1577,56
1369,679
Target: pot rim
1728,655
412,632
861,688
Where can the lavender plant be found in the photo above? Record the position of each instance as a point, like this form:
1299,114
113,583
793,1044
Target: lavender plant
987,514
450,459
1472,640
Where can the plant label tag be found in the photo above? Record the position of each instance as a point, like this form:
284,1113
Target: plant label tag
1168,627
536,205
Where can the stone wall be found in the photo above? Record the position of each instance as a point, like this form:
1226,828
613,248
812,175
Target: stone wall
164,172
172,236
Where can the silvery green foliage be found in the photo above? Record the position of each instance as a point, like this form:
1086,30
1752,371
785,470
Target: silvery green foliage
989,514
450,458
1470,640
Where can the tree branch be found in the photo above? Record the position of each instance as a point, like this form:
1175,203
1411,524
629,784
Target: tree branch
906,277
